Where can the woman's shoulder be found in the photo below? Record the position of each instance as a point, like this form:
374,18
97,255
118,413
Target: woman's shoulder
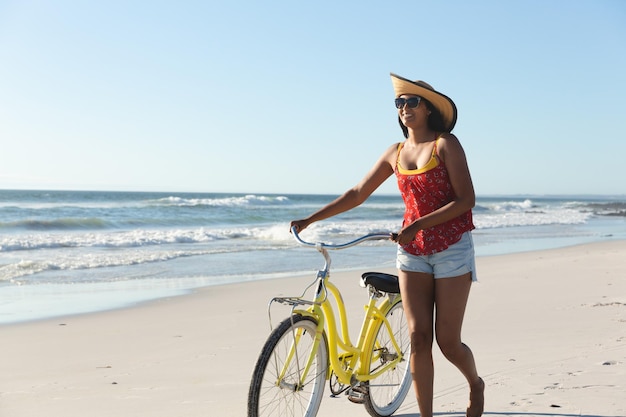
390,154
448,143
447,140
447,137
393,149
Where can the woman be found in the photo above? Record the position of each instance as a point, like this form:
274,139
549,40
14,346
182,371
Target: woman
435,256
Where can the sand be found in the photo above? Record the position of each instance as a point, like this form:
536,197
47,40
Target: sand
548,330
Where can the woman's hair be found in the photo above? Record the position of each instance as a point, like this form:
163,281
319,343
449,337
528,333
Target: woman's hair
435,121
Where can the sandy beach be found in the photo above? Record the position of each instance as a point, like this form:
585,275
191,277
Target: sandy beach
548,330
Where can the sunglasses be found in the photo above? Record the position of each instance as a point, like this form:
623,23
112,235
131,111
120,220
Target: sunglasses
412,102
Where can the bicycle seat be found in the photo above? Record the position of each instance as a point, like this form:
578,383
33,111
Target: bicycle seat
382,282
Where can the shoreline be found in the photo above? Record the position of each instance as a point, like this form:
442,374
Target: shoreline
23,304
547,329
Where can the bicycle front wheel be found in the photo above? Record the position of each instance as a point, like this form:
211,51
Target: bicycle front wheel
279,387
387,392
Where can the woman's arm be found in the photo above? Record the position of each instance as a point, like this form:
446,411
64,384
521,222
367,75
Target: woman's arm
382,169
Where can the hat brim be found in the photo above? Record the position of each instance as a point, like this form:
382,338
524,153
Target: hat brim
441,102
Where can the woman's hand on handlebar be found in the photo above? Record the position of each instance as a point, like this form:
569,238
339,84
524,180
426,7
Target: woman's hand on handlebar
404,236
300,225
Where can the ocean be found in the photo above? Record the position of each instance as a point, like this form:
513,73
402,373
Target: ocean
71,252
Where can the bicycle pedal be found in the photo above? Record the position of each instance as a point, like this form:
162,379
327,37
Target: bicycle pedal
357,395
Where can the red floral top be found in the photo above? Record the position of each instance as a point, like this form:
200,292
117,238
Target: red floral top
424,190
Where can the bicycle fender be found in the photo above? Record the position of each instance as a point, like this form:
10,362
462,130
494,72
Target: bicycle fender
307,313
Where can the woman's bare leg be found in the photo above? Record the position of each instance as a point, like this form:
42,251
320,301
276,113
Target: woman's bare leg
418,298
451,296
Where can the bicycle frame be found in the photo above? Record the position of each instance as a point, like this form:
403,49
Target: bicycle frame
352,364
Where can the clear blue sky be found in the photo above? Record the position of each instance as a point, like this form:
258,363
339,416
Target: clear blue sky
295,97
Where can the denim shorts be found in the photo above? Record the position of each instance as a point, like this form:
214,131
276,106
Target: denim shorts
457,260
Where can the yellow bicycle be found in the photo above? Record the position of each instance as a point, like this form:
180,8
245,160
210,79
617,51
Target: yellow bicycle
307,348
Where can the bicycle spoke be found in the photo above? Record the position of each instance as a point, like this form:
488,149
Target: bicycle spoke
280,391
387,391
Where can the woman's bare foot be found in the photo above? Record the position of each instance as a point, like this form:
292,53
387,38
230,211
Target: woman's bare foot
477,399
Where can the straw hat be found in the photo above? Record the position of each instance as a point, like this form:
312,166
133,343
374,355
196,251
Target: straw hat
441,102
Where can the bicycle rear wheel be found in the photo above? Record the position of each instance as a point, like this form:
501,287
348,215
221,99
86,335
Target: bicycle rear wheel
387,392
276,388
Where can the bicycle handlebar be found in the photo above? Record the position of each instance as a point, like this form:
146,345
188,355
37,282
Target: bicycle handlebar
371,236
